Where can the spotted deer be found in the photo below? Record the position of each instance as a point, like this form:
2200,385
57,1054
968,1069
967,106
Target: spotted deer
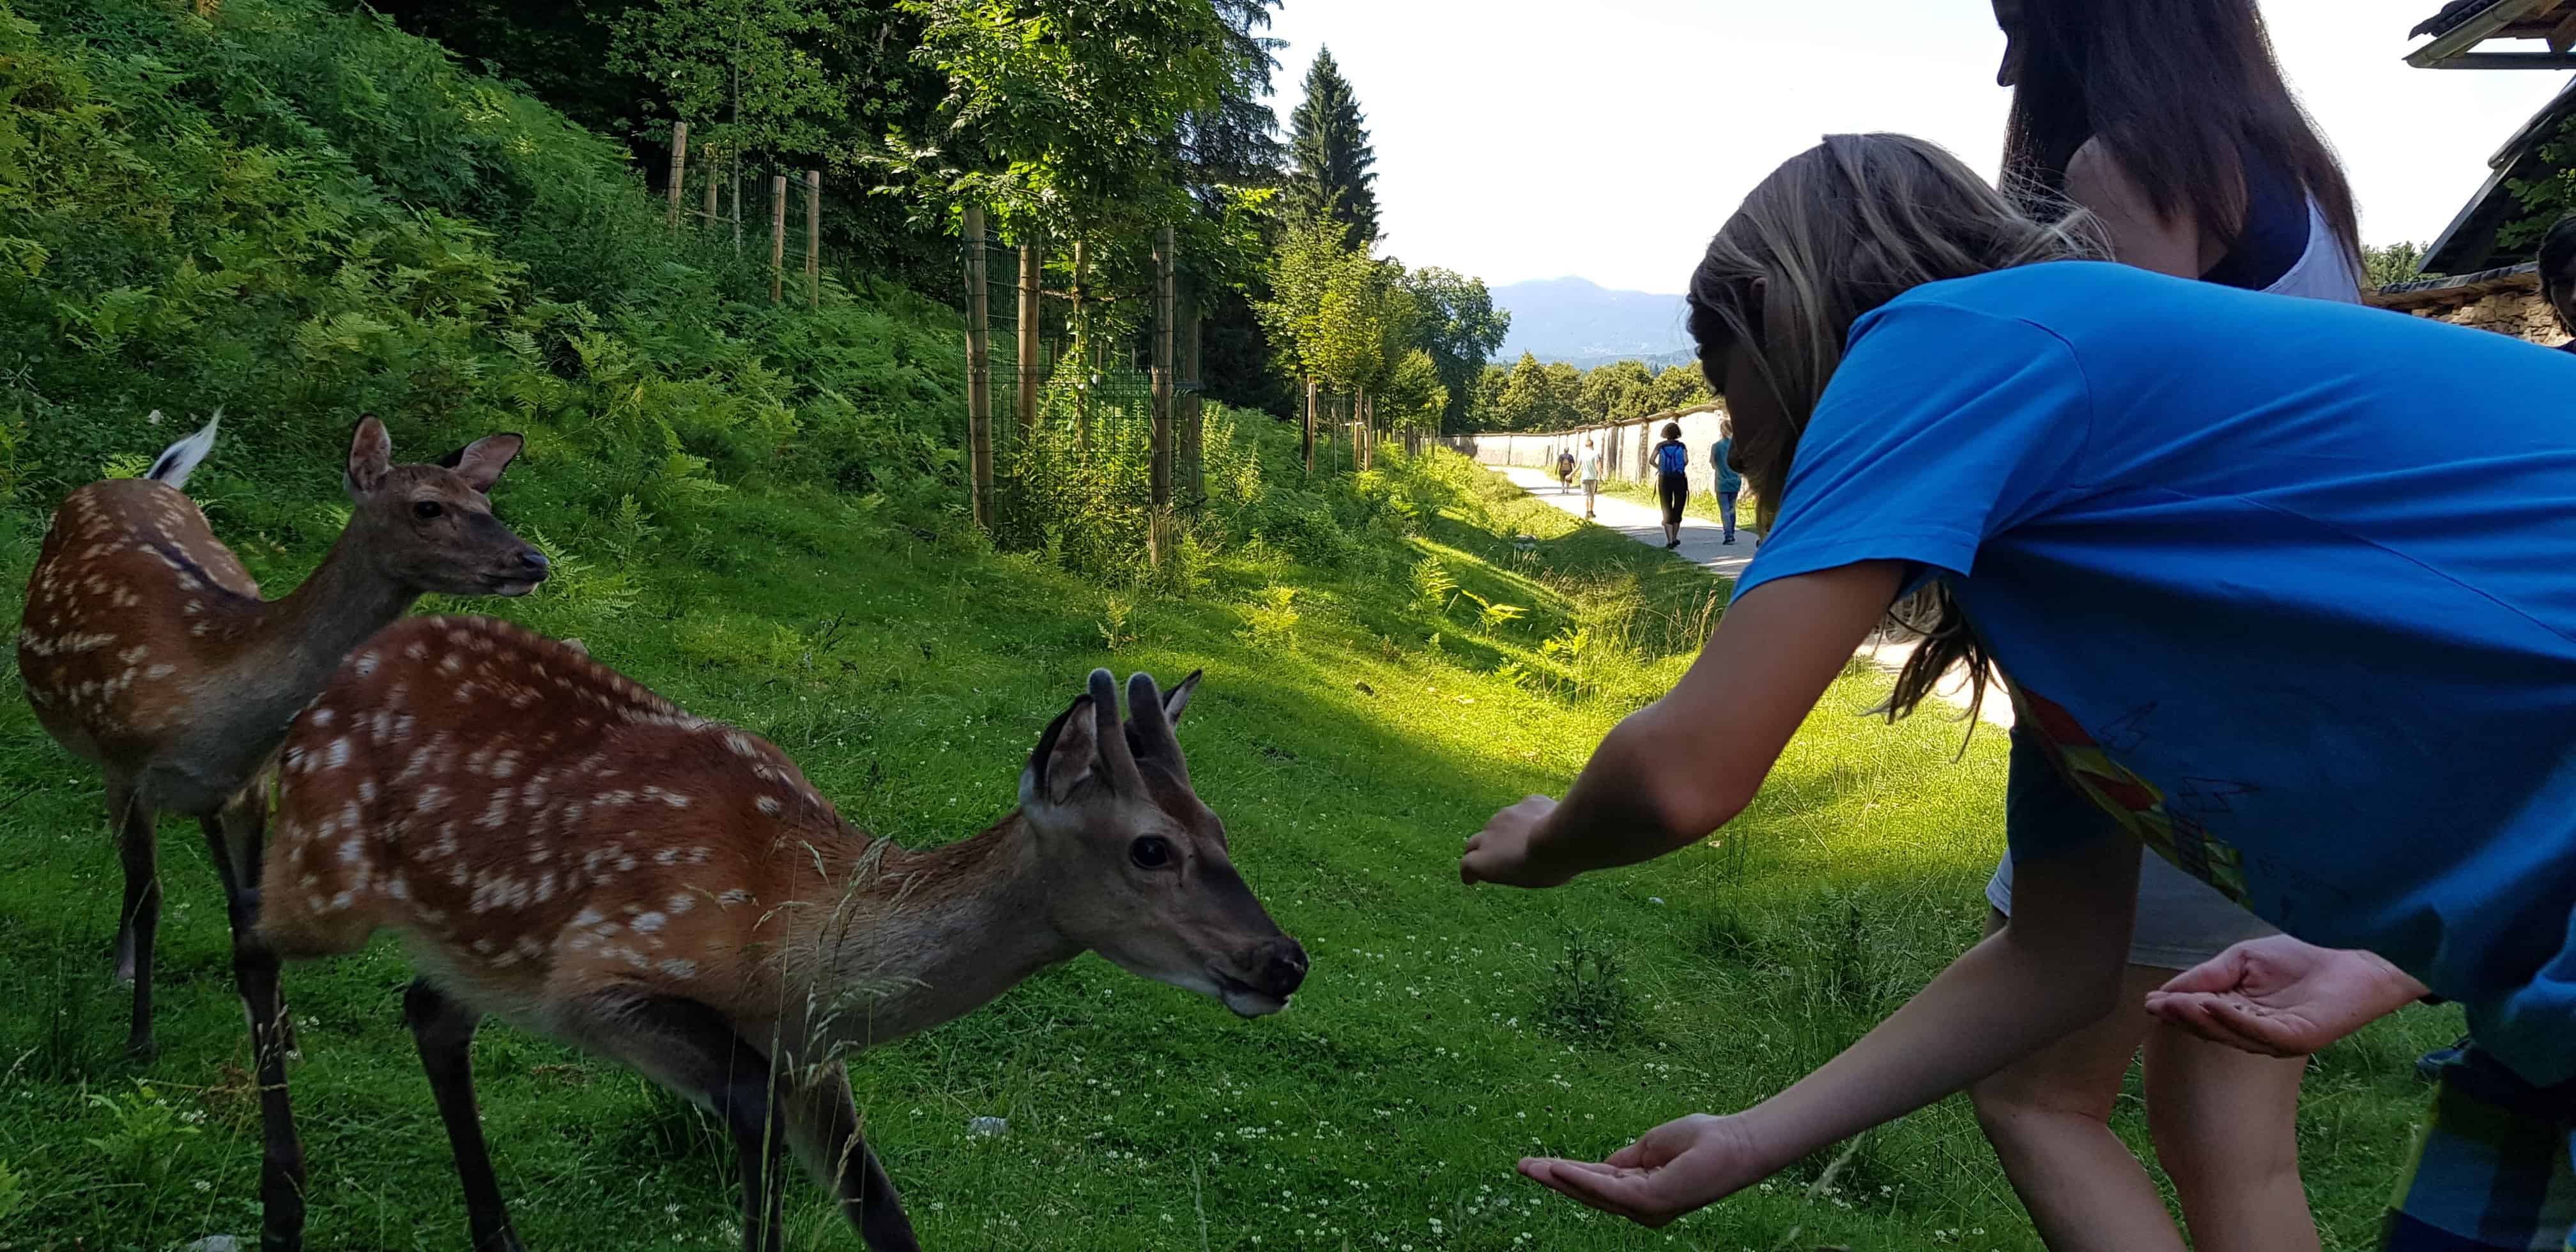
147,650
566,850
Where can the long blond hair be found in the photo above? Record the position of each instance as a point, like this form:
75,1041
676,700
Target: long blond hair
1836,232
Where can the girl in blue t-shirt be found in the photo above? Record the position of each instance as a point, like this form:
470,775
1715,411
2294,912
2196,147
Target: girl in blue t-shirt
2161,509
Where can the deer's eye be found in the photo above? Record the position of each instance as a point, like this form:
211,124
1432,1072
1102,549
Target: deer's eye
1150,852
426,510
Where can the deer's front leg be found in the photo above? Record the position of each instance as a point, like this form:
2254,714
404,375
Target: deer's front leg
694,1051
823,1123
238,829
442,1027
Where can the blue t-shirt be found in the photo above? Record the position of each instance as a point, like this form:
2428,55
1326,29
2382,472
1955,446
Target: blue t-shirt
1672,458
2288,586
1727,478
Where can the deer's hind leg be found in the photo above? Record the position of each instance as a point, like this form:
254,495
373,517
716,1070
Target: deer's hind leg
138,920
823,1126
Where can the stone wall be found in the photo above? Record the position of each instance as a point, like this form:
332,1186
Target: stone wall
2521,314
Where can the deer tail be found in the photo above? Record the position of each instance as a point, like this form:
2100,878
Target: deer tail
181,459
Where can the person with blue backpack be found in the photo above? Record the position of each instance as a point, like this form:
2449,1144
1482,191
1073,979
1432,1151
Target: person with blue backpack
1672,481
1729,483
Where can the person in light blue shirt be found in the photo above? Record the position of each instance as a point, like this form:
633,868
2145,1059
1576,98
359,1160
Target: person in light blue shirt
1729,483
2339,690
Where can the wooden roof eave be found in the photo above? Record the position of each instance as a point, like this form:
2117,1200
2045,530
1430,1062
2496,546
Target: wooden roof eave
2504,19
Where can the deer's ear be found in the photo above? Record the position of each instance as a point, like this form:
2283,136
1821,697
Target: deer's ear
1067,754
480,463
371,457
1178,698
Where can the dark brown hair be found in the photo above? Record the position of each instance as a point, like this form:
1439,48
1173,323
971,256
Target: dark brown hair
2183,93
1672,430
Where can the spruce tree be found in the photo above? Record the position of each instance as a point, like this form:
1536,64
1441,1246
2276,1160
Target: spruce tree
1329,139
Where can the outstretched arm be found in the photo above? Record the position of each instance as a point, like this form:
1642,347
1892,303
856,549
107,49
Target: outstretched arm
1687,764
2052,970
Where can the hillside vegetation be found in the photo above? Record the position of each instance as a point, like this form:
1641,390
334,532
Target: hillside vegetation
302,214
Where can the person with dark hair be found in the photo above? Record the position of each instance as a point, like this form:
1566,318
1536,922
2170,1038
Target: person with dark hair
2230,642
2169,124
2558,274
1672,481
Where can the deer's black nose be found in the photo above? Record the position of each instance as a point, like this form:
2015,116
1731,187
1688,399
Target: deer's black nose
1283,969
536,563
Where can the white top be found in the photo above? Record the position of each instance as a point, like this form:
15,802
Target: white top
1588,464
2325,271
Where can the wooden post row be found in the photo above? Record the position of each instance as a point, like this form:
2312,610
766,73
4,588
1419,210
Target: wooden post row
777,236
1166,313
813,239
1032,274
979,372
712,167
679,170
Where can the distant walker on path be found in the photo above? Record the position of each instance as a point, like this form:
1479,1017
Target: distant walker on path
1729,483
1590,469
1672,481
1564,470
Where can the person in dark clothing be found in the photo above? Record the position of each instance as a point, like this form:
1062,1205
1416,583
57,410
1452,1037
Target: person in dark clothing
1672,481
2558,275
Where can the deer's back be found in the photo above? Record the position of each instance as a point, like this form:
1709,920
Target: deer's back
535,823
131,598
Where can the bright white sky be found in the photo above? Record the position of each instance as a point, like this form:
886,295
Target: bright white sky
1521,139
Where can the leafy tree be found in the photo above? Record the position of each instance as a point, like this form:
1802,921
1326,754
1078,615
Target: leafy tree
2399,262
1058,111
1616,392
746,75
1460,328
1678,387
1328,137
1414,397
1528,400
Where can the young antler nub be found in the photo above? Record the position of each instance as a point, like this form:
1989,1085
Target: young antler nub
569,851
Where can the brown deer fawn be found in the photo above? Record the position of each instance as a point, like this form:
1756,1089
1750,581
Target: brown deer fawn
568,851
146,649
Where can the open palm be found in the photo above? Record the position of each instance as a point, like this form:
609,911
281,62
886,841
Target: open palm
2279,997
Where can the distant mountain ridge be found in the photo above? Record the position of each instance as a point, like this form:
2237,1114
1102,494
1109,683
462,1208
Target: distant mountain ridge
1579,321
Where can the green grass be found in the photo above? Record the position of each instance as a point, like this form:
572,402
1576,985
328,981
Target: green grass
1443,1033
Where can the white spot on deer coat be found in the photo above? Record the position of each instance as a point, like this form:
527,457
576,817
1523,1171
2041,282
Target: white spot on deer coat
339,752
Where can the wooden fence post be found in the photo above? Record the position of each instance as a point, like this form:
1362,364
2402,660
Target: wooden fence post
1309,437
813,239
713,167
1081,328
1032,298
1193,414
979,373
1166,312
777,236
679,170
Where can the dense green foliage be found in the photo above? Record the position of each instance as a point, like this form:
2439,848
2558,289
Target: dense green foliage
1530,395
2400,262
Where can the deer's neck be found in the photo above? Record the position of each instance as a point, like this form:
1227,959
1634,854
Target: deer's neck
300,640
932,936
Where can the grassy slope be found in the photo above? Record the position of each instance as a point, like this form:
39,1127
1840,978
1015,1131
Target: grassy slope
1430,1048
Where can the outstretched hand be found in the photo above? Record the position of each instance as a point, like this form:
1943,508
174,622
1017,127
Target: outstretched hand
1501,852
2276,996
1679,1166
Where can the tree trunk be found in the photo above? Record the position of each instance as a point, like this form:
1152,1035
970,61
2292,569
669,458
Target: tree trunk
1081,344
679,171
1166,312
1032,272
979,372
1309,436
